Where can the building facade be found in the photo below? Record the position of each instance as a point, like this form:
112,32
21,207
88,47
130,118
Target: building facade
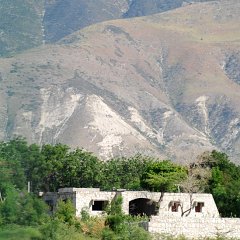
192,215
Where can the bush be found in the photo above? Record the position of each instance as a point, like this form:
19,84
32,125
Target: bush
108,234
13,232
121,226
134,232
93,226
57,230
65,212
128,232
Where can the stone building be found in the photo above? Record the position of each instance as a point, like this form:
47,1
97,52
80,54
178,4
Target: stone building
170,213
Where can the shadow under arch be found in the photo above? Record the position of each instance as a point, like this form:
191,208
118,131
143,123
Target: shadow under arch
142,206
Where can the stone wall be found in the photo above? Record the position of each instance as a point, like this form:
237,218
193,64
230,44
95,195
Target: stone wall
85,200
195,227
209,209
51,198
204,223
82,198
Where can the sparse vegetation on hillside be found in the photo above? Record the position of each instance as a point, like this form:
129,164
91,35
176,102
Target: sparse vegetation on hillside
58,82
21,25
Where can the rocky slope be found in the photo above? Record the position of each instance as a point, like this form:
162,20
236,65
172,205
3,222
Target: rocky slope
166,84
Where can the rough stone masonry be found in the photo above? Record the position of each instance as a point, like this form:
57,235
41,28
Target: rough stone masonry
191,215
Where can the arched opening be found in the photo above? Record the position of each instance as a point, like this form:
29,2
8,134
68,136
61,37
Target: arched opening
142,206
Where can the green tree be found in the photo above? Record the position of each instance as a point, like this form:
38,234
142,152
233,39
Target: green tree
52,166
121,226
5,176
65,212
11,155
21,208
32,210
89,170
33,164
163,176
63,224
64,168
225,184
9,208
124,172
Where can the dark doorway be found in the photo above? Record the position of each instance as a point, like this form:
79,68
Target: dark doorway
142,206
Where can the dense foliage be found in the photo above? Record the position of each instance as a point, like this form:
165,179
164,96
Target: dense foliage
225,184
50,167
119,224
163,176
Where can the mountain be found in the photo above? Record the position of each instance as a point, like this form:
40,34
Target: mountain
29,23
20,25
165,84
64,17
138,8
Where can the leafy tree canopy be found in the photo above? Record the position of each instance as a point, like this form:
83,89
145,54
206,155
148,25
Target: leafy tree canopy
163,176
50,167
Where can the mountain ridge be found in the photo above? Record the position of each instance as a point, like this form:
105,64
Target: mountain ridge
32,23
126,86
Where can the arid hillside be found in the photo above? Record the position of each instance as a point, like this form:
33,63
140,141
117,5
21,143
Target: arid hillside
29,23
166,84
64,17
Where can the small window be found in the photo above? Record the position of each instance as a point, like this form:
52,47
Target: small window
174,206
199,206
99,205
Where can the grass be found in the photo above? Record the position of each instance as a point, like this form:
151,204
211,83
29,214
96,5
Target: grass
15,232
